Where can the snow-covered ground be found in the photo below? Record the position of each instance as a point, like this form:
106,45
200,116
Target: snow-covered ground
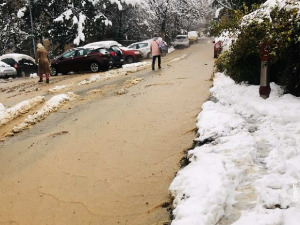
247,162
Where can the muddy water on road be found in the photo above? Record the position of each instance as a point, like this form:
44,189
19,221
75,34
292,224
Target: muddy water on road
108,159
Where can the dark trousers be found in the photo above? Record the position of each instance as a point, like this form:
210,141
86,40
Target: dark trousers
153,61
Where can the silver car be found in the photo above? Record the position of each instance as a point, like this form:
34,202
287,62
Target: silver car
6,70
181,40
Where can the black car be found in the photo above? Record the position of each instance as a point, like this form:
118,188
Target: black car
81,59
24,64
114,49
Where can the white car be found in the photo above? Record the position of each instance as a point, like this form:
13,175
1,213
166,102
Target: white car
181,40
7,70
144,47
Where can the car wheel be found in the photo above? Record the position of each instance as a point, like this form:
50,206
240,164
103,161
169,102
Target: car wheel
94,67
119,65
130,59
54,71
21,73
149,55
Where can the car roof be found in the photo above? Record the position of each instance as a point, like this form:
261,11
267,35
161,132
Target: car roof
16,56
102,44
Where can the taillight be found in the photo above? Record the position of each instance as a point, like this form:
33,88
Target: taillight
113,53
16,65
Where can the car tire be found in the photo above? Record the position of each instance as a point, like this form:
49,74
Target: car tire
54,71
130,59
149,55
94,67
21,73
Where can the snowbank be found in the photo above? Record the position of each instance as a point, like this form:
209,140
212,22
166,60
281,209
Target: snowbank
52,105
128,68
251,144
9,114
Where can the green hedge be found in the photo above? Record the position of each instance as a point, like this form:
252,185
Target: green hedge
242,62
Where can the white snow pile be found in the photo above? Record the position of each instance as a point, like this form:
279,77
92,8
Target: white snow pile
248,163
60,88
179,58
33,75
134,67
171,49
264,11
97,78
9,114
52,105
115,73
227,38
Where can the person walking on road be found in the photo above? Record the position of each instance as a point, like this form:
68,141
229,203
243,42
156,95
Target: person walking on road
155,49
42,59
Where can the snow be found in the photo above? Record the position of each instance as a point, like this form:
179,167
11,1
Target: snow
128,68
102,44
249,148
265,9
9,114
52,105
80,22
16,56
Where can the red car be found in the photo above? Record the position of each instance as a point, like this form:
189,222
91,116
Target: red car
217,48
131,55
81,59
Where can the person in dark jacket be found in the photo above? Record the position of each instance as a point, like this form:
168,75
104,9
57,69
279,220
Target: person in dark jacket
42,59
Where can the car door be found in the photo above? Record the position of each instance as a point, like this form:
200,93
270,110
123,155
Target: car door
65,62
81,60
144,48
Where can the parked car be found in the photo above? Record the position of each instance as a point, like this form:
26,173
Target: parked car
131,55
81,59
217,48
7,70
114,49
144,47
181,40
24,64
193,37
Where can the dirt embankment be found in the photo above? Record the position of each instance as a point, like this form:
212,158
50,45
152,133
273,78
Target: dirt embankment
107,157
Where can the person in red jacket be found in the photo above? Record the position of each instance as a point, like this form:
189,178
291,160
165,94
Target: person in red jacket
155,49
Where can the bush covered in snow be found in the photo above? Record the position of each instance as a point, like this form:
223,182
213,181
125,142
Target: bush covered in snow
276,22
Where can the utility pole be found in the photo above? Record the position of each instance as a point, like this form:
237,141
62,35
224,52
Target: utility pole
31,21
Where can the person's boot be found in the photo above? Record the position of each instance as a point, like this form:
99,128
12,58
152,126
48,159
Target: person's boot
41,80
47,81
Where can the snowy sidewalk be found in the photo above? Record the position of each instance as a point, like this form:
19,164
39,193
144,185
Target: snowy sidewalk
248,170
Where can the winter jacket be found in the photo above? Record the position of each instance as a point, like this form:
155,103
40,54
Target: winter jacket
41,58
154,47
